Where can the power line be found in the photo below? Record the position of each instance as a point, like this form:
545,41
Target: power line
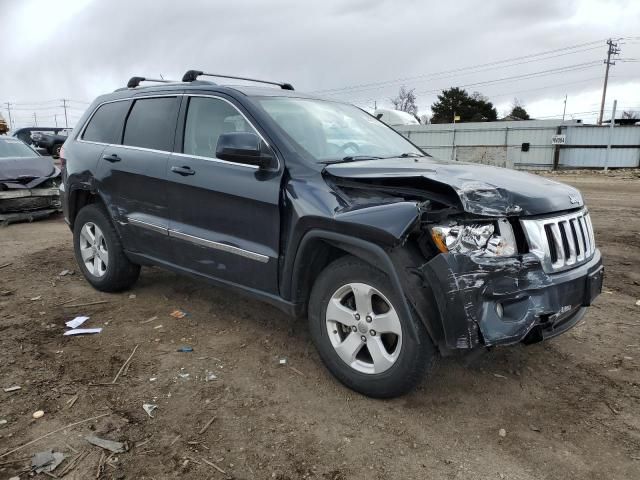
472,67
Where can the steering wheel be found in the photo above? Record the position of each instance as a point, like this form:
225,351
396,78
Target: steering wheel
352,145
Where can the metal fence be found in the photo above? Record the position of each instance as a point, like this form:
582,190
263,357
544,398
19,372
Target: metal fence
529,144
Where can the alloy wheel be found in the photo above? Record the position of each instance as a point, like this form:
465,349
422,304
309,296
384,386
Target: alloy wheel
364,328
93,249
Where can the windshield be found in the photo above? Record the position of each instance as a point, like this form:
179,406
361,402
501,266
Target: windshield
15,148
330,131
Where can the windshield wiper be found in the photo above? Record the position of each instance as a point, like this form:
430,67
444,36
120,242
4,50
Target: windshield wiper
352,158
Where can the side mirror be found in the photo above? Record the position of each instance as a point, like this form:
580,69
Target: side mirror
247,148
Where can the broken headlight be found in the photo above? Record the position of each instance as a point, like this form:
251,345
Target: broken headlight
493,239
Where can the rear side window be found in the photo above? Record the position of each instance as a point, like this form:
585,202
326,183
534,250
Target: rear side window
152,123
106,124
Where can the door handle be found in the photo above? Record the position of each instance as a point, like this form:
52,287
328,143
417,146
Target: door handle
111,158
184,171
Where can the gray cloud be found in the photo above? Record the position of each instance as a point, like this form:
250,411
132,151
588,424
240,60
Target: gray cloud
314,45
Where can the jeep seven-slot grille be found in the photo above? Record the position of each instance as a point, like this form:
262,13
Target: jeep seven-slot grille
561,242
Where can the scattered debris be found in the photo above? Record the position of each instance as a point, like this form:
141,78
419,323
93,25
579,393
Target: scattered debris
35,299
502,432
149,320
178,314
72,401
497,375
157,327
149,408
6,293
81,331
153,379
637,303
283,361
65,302
73,463
132,296
76,322
46,461
175,440
297,371
3,421
98,302
185,349
534,428
64,273
5,265
12,389
207,425
125,364
211,464
183,375
53,432
115,447
615,411
38,414
210,376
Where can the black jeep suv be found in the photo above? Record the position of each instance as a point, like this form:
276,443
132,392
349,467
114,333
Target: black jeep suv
322,210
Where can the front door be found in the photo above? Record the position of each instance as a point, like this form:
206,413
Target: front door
224,216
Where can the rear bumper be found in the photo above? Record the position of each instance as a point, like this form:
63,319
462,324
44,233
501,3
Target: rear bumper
492,301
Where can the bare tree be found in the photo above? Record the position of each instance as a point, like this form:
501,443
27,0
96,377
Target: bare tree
631,114
405,101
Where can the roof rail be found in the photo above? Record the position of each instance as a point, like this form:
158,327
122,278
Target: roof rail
135,81
192,75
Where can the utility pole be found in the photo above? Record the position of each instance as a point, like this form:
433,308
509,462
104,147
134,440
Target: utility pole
64,105
613,50
613,123
35,120
565,107
10,121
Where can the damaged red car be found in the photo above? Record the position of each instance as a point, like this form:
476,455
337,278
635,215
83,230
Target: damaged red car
29,183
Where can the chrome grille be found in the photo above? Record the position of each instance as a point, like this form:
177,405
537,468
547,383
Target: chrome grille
561,242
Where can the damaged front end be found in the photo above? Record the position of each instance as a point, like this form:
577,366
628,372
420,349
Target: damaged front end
479,264
28,193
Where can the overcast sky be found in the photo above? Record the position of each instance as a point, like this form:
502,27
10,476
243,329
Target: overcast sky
78,49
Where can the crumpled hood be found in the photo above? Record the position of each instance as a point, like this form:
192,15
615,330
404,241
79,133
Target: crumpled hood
21,172
481,189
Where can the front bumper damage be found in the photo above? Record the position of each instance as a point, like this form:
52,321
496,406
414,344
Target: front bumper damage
28,204
498,301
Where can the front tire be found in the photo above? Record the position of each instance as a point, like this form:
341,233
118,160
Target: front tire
99,252
361,333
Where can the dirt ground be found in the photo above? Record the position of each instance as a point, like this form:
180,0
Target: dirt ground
570,407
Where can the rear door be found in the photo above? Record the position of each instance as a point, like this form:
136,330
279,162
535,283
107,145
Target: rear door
225,218
133,175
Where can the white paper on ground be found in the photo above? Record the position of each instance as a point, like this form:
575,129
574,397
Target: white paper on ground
82,331
76,322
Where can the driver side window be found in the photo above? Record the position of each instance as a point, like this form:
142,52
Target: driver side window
207,119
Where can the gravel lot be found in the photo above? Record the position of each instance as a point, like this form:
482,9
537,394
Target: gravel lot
569,408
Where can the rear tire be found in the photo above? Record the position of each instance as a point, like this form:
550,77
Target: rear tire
360,299
99,252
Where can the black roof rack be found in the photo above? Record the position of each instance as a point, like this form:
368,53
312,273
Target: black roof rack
135,81
192,75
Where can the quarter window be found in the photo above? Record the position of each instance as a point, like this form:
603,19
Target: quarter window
207,119
152,123
105,125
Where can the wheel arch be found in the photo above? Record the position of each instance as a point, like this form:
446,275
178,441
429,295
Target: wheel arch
318,248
